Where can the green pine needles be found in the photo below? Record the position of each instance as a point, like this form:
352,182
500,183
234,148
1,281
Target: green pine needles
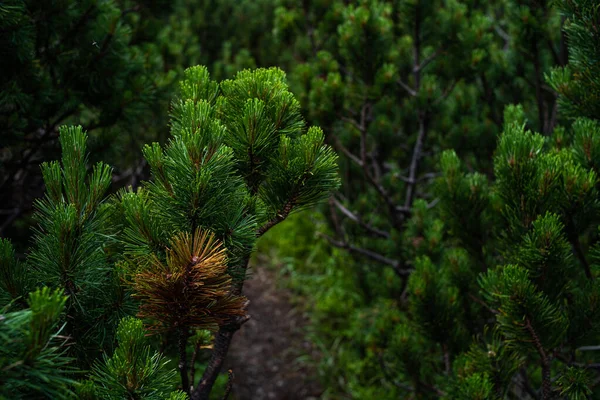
33,354
495,252
174,252
540,287
579,83
135,370
530,237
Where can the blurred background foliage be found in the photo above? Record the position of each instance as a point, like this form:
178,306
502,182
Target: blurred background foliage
112,67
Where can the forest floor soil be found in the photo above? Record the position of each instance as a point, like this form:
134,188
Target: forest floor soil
265,351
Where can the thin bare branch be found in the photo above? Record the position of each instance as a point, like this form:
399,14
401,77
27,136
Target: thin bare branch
433,203
428,60
414,164
362,127
334,218
408,89
352,122
231,376
422,178
369,254
502,33
403,210
589,348
356,218
347,153
283,214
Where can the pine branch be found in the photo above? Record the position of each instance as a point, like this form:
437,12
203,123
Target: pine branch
408,89
356,218
193,361
581,255
220,347
231,376
369,254
183,365
545,362
283,214
427,61
217,358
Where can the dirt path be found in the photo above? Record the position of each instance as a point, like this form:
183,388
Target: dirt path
264,353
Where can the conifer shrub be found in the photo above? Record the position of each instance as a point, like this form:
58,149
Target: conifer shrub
173,253
112,67
396,83
95,63
517,271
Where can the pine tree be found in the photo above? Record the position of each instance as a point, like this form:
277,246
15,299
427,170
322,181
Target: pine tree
239,162
71,251
451,65
578,83
538,254
225,35
95,63
110,66
395,83
174,252
525,279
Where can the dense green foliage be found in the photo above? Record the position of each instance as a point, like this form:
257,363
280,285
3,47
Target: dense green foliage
174,252
459,258
96,63
112,67
395,83
431,335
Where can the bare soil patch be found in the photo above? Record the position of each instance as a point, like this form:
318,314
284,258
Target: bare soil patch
264,353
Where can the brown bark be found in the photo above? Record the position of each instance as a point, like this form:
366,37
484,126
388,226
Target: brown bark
220,348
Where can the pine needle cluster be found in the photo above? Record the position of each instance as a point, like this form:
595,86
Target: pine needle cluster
174,252
190,289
